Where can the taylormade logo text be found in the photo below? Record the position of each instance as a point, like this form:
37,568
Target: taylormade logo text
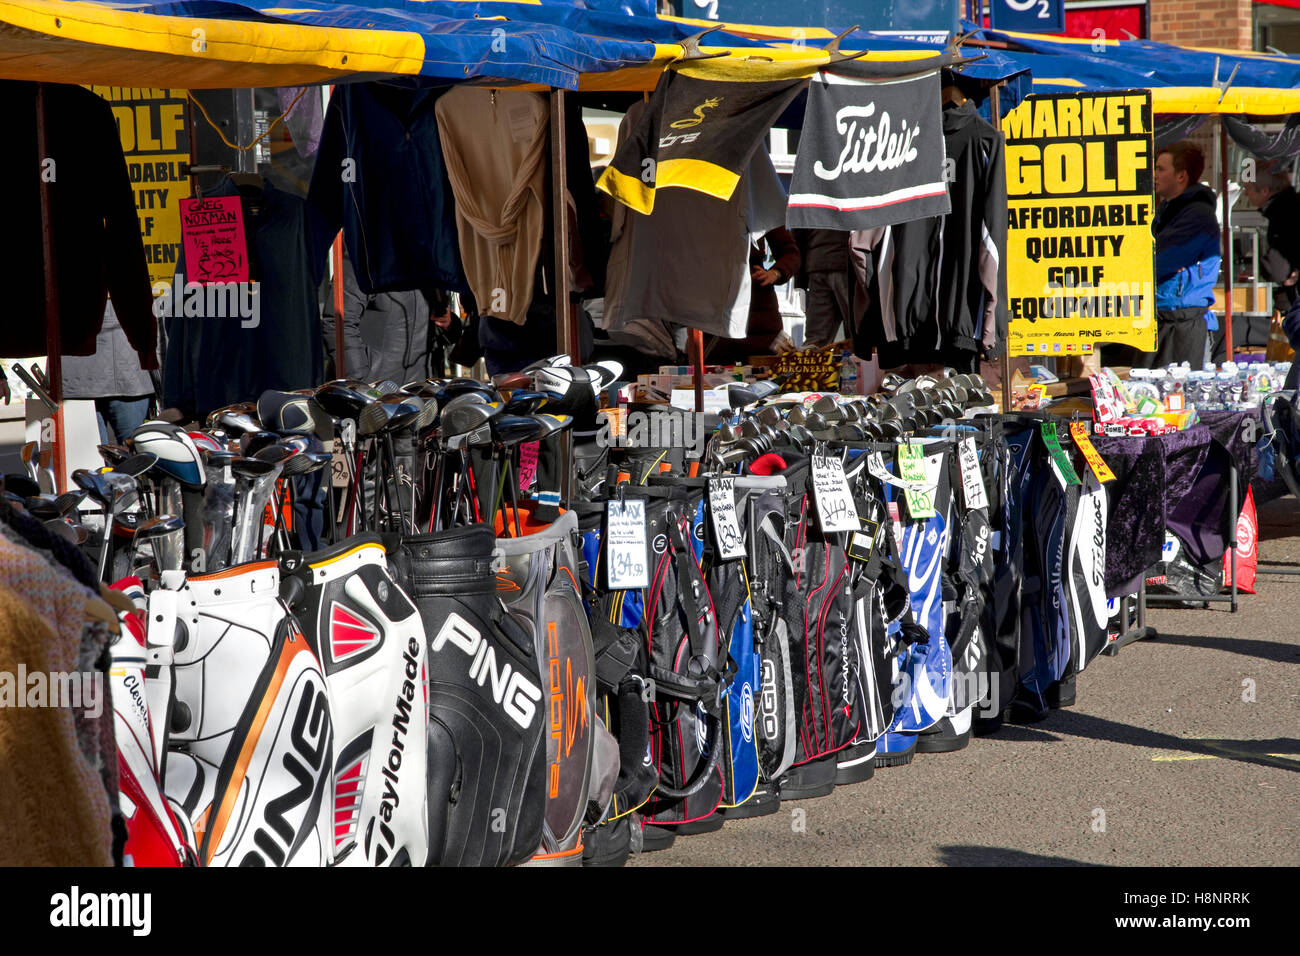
211,300
77,909
56,689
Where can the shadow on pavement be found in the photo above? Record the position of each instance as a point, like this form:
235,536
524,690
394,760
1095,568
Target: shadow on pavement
998,856
1024,735
1266,650
1244,751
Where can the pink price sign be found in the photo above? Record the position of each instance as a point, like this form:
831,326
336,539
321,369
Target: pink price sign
212,231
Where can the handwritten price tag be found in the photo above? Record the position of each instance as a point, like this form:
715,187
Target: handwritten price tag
835,508
915,470
626,555
972,482
726,524
213,233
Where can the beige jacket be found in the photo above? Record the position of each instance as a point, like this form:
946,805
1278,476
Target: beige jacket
494,145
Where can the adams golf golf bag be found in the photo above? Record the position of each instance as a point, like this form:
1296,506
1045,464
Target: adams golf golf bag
156,836
250,743
370,641
487,771
537,579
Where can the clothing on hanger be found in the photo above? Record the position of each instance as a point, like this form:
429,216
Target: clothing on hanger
216,360
97,246
381,177
494,143
934,290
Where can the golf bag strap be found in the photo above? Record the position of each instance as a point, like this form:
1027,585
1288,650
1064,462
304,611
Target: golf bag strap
706,769
616,652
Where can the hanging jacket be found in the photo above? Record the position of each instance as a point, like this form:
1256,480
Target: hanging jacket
380,176
937,286
494,143
216,361
97,245
114,370
1187,249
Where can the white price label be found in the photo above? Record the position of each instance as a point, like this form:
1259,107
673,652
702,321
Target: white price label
835,508
626,555
726,523
972,482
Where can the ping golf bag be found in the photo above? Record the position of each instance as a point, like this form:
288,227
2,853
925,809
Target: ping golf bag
250,739
537,579
370,641
487,771
156,836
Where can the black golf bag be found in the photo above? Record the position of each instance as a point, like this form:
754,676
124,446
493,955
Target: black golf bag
487,710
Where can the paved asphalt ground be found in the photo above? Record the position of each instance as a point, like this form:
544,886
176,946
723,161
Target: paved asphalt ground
1160,763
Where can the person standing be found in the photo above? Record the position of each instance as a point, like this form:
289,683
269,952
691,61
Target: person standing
1274,196
1187,257
827,276
122,390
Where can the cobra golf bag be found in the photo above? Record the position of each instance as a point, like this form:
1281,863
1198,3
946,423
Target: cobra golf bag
487,770
537,579
370,641
250,743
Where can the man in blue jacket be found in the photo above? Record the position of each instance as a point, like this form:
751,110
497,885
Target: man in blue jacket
1187,257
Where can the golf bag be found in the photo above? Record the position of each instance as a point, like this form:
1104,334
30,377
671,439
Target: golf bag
688,663
370,641
155,835
487,756
1086,578
250,739
773,590
1044,634
624,693
537,579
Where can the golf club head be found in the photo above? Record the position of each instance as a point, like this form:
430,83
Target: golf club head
395,411
73,534
386,387
770,416
510,381
126,524
343,398
891,383
276,454
112,454
42,507
159,526
553,424
239,418
94,484
554,361
135,466
253,442
528,402
467,424
242,467
511,430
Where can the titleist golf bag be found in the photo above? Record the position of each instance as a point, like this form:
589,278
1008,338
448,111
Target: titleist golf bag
487,712
537,579
250,740
369,638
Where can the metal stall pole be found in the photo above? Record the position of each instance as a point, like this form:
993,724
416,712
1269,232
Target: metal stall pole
566,318
695,350
1227,242
53,334
995,113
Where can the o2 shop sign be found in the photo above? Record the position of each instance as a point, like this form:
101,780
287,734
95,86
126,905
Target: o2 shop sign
1028,16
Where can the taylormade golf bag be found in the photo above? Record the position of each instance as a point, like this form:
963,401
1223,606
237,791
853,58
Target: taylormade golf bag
537,579
251,743
369,638
487,712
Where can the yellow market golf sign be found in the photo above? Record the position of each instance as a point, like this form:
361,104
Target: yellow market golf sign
1080,251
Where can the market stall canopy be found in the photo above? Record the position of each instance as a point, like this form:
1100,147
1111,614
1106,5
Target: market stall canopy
1182,80
212,44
